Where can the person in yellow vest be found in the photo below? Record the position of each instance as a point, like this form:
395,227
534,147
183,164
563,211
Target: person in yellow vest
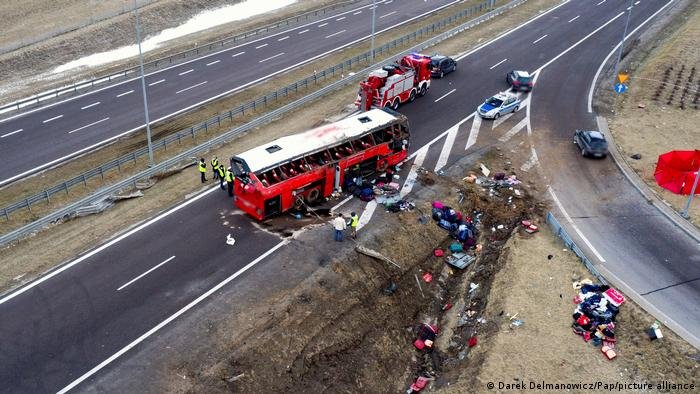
215,167
222,176
203,169
354,219
229,181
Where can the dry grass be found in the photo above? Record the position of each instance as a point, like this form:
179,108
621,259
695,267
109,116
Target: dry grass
661,126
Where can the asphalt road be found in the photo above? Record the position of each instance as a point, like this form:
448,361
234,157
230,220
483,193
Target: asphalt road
42,137
70,325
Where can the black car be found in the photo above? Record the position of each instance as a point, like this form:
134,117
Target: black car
441,65
591,143
519,80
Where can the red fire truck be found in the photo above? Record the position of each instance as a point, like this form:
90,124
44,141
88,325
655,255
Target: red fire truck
304,168
396,83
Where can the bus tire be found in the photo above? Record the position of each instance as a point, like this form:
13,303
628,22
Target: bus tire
299,202
382,165
313,195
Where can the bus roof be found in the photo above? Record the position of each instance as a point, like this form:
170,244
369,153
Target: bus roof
296,145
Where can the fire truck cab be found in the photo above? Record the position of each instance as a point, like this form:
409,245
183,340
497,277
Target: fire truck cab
396,83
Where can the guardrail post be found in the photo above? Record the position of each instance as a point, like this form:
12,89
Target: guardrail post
4,211
29,206
85,179
102,175
48,200
192,132
206,128
133,154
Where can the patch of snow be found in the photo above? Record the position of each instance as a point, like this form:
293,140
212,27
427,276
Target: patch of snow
202,21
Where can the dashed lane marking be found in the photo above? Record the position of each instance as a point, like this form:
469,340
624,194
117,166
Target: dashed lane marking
52,119
11,133
91,105
191,87
88,125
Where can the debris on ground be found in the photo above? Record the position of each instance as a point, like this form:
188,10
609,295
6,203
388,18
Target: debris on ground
373,253
594,317
426,336
654,332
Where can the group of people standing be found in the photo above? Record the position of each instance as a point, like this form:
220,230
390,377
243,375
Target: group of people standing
220,173
340,224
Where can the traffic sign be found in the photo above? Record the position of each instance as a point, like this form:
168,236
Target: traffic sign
622,77
620,88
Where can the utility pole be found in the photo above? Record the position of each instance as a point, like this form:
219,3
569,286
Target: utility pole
151,163
622,44
374,19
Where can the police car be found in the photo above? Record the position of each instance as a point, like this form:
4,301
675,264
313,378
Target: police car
498,105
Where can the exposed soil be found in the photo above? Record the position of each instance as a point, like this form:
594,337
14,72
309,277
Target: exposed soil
661,110
26,71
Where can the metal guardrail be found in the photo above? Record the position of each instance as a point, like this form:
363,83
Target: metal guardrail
79,86
561,233
226,137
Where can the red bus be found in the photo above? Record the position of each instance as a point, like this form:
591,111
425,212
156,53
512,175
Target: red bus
304,168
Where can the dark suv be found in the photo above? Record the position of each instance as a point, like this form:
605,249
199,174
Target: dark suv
441,65
519,80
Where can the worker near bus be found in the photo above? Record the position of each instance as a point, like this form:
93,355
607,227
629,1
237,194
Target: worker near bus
203,170
339,226
215,167
229,181
222,176
354,219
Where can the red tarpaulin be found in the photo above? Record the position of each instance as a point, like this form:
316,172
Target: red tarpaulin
676,170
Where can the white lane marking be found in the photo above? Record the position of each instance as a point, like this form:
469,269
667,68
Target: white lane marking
539,39
10,133
498,64
213,63
571,222
86,256
636,2
413,173
125,93
367,214
474,132
597,74
238,54
574,18
186,72
262,46
447,148
445,95
303,31
227,50
190,87
579,42
156,82
527,112
338,205
52,119
88,125
444,133
340,19
514,130
531,162
235,89
323,24
603,1
145,273
629,8
170,319
91,105
271,57
336,33
462,56
385,15
497,122
388,2
283,38
357,13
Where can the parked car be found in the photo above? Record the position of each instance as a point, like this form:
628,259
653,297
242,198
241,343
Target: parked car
591,143
441,65
519,80
498,105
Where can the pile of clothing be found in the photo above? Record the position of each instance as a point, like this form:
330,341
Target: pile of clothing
594,317
400,205
460,226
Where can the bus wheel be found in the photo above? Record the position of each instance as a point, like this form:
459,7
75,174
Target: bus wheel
382,165
313,195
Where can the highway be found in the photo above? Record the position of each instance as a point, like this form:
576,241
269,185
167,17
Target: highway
42,137
73,323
